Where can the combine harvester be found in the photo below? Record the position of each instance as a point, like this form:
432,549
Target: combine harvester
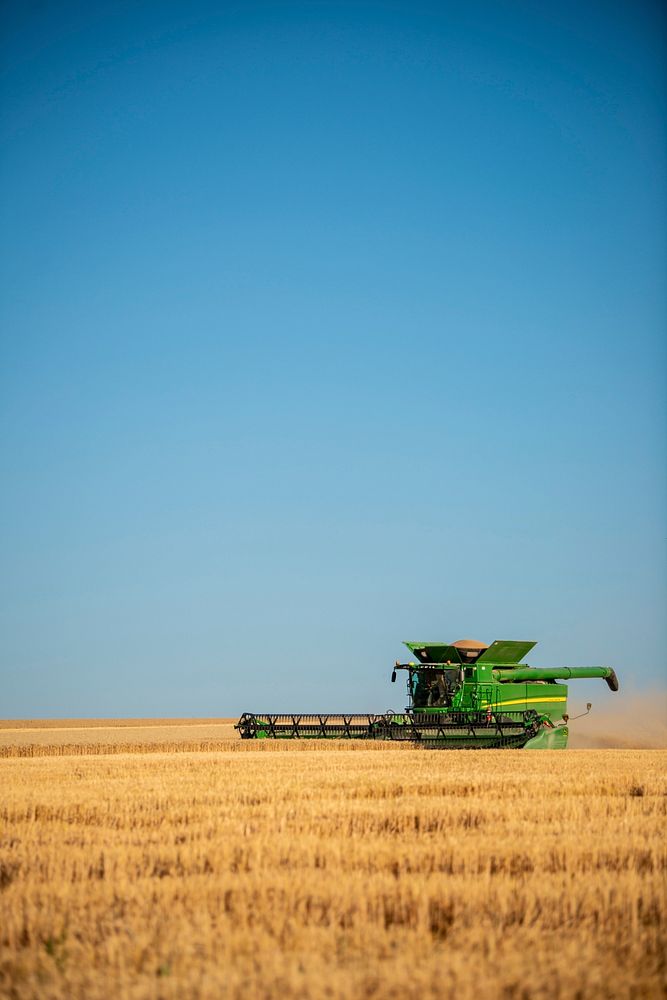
464,695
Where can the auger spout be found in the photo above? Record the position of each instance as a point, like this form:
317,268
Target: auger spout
557,673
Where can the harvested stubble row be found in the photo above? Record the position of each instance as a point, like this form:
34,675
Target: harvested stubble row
390,874
187,746
116,736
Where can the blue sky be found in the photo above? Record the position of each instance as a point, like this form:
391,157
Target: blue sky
327,326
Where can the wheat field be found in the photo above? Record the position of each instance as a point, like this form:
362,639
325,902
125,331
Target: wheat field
66,737
384,872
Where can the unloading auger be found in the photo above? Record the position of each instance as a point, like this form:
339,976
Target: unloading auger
463,695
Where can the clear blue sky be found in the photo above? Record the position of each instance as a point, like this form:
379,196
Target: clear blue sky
327,326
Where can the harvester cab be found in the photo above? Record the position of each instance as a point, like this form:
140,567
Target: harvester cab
442,669
462,694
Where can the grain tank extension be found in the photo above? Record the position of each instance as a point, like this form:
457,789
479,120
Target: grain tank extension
463,695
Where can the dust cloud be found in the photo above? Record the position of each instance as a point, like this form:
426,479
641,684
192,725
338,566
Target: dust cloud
638,721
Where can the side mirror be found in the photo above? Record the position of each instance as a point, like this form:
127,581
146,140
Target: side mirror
393,677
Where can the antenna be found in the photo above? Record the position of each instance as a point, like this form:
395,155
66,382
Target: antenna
571,718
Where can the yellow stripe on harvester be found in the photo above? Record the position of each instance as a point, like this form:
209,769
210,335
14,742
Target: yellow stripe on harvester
520,701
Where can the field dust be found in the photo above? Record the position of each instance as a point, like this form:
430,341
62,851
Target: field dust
633,722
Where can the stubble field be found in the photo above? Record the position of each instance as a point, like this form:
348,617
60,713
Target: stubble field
341,871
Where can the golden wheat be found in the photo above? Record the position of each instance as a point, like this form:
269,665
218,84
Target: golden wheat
269,873
18,725
15,738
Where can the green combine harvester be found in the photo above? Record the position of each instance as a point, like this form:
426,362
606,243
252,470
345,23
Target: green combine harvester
463,695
